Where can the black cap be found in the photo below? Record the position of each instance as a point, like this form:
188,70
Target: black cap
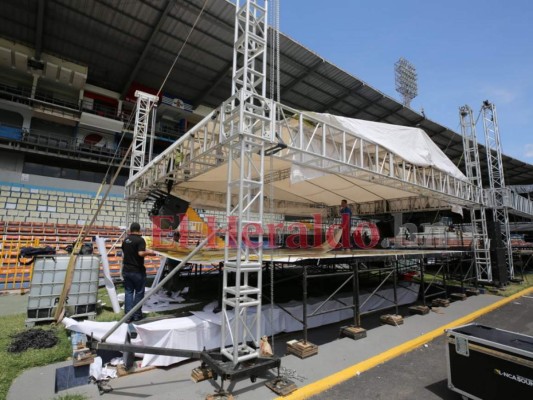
135,227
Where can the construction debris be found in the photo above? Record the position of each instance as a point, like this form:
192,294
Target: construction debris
32,339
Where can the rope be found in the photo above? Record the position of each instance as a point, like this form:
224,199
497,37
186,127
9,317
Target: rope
129,123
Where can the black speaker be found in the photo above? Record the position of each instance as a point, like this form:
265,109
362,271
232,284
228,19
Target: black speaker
498,256
495,233
169,207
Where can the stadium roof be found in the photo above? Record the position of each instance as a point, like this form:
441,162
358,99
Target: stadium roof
124,41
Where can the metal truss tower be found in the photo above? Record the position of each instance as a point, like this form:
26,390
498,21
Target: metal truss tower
499,195
143,123
480,237
247,127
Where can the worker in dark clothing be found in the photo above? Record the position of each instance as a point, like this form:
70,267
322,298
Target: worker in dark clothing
346,222
133,270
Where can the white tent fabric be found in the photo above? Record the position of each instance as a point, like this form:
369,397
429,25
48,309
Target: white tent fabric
412,144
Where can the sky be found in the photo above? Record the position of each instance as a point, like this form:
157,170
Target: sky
464,51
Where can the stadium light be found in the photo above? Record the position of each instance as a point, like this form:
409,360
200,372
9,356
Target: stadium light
406,80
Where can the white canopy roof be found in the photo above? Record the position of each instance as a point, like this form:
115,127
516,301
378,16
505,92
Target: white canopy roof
310,171
412,144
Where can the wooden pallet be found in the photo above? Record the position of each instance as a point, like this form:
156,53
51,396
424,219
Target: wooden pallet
281,386
200,374
440,303
420,310
391,319
301,349
458,296
352,332
472,292
122,371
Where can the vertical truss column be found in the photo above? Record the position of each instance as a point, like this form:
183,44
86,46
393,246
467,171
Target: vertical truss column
145,104
499,195
480,237
247,126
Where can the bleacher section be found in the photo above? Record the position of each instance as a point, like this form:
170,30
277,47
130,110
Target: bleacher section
50,205
35,216
16,234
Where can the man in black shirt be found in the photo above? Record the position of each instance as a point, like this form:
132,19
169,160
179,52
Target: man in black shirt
133,270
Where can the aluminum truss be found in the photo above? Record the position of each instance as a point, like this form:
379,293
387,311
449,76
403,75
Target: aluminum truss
324,147
498,194
247,127
480,237
145,108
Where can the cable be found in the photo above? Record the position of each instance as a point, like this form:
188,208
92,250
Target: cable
182,46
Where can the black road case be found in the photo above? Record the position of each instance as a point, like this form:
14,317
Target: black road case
488,363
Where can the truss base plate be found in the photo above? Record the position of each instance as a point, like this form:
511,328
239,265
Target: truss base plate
302,349
352,332
516,280
420,310
281,386
219,396
221,366
391,319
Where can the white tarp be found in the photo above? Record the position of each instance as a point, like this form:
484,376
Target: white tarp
411,144
203,329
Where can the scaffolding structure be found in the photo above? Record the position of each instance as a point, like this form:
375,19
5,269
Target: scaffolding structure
234,140
144,124
498,195
480,237
248,128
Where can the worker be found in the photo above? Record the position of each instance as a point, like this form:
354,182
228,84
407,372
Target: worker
346,222
134,271
345,209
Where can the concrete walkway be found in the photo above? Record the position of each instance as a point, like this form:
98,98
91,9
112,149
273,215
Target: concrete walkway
336,361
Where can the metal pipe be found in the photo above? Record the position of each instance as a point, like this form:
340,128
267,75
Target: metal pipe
304,305
357,314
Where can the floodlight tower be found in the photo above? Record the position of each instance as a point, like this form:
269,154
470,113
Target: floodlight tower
406,80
